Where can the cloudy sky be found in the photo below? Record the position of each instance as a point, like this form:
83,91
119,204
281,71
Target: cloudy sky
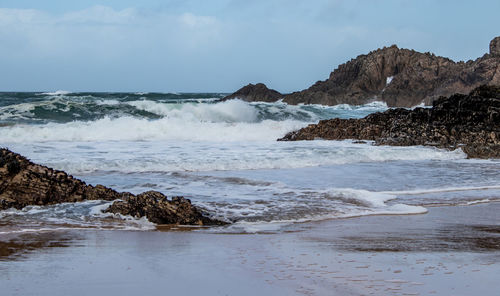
220,45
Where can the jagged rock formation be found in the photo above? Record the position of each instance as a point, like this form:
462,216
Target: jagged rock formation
399,77
468,121
160,210
24,183
255,92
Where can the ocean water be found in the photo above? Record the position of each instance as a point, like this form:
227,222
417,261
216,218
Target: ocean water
225,158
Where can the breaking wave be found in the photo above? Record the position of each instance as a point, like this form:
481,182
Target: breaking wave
136,129
85,117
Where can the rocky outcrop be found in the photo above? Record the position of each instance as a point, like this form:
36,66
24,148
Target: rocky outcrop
255,92
399,77
471,122
160,210
24,183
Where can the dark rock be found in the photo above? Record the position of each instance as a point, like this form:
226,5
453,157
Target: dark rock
471,122
255,92
160,210
24,183
399,77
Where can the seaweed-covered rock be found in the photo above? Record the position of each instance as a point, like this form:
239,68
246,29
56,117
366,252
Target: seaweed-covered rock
160,210
471,122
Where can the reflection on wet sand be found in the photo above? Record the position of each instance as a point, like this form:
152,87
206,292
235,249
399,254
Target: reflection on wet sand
448,251
17,246
476,238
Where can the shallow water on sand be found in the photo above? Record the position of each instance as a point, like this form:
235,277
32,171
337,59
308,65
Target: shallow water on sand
449,251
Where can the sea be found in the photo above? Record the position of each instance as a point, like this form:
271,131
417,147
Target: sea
224,156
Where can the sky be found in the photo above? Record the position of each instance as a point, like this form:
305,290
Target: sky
221,45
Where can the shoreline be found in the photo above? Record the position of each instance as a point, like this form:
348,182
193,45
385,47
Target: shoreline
449,250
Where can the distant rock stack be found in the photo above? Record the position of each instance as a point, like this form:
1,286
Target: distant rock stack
255,92
399,77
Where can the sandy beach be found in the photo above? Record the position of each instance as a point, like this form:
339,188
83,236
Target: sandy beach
448,251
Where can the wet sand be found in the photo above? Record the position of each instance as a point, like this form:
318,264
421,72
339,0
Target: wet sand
448,251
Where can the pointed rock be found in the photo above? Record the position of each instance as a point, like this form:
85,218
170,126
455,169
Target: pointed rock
255,93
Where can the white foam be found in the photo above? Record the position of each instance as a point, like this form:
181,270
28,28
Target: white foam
299,206
475,202
18,111
225,121
375,106
421,105
57,93
42,229
80,215
175,155
441,190
376,202
370,199
277,225
98,209
135,129
228,111
109,102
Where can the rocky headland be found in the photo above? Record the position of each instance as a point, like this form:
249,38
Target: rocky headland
399,77
470,122
24,183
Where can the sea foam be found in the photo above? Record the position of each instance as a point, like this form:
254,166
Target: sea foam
175,155
136,129
56,93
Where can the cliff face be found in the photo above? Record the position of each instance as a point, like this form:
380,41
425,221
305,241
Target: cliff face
399,77
471,122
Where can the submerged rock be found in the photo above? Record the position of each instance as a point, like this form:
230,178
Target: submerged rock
255,92
471,122
24,183
399,77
